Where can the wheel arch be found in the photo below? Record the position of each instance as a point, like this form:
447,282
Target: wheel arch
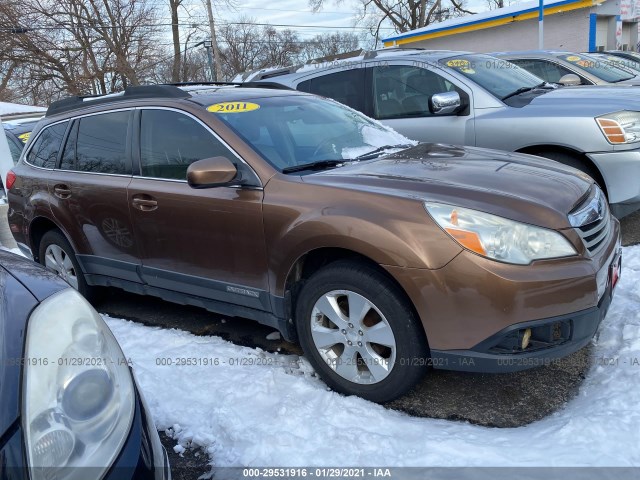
580,157
309,262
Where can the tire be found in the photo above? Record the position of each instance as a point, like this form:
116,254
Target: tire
577,163
56,254
359,368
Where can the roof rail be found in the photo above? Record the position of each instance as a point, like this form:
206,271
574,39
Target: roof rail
130,93
273,85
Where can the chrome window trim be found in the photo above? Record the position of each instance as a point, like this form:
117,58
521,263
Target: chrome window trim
71,119
32,142
215,135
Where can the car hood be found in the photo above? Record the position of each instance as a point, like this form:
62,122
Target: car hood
520,187
595,99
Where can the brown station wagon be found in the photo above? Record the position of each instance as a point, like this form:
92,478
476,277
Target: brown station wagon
382,257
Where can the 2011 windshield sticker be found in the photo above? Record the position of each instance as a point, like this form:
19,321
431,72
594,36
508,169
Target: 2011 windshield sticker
233,107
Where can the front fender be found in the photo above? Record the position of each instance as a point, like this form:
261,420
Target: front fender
388,230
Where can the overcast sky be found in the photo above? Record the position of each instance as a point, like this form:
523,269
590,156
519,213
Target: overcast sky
297,12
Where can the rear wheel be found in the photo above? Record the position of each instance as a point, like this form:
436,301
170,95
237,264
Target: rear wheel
359,332
58,256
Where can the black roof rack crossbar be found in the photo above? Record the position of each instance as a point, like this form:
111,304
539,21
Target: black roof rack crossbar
130,93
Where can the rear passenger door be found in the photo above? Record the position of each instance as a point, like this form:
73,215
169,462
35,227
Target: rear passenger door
206,242
89,188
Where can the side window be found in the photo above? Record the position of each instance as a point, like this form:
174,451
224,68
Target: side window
404,91
346,87
547,71
101,144
44,152
14,149
171,141
68,161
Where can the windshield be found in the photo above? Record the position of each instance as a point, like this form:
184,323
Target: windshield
290,131
604,70
632,65
499,77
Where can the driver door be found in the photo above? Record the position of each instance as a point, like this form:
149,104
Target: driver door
201,242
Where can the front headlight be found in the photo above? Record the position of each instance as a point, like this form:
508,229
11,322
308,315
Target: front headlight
620,127
78,397
499,238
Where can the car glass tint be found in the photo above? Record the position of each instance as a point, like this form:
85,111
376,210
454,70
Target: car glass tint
102,143
14,149
602,69
548,71
497,76
171,141
44,152
68,161
345,87
404,91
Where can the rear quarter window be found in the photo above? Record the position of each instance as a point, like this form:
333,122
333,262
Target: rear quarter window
44,151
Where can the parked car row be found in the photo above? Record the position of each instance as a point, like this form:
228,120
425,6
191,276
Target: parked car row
509,102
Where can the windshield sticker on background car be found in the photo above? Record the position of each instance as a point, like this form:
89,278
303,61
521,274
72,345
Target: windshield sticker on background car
459,63
573,58
233,107
586,64
24,137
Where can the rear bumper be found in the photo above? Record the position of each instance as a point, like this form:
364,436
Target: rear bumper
621,171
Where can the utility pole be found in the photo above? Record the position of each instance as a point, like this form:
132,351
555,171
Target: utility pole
214,44
541,25
208,44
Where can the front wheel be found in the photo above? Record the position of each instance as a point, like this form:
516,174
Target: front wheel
359,332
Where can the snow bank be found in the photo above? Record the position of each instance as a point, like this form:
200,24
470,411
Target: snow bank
261,409
7,108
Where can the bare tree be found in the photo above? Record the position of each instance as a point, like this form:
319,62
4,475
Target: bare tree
330,44
76,46
404,15
248,46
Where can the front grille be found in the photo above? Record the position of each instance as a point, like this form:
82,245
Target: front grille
592,220
595,233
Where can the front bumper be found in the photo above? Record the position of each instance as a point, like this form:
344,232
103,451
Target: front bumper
581,327
143,457
470,306
621,171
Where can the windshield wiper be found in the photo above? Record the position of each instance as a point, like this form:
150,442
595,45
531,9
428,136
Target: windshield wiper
522,90
319,165
379,150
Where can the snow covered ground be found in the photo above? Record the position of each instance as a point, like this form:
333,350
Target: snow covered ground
260,409
7,108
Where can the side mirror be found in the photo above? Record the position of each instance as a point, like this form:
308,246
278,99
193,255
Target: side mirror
211,172
445,103
570,80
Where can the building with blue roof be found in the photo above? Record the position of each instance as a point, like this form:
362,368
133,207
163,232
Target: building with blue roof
571,25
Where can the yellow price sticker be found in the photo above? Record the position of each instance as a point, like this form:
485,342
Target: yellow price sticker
233,107
573,58
458,63
24,137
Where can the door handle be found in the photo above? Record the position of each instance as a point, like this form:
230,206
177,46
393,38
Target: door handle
61,191
144,203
